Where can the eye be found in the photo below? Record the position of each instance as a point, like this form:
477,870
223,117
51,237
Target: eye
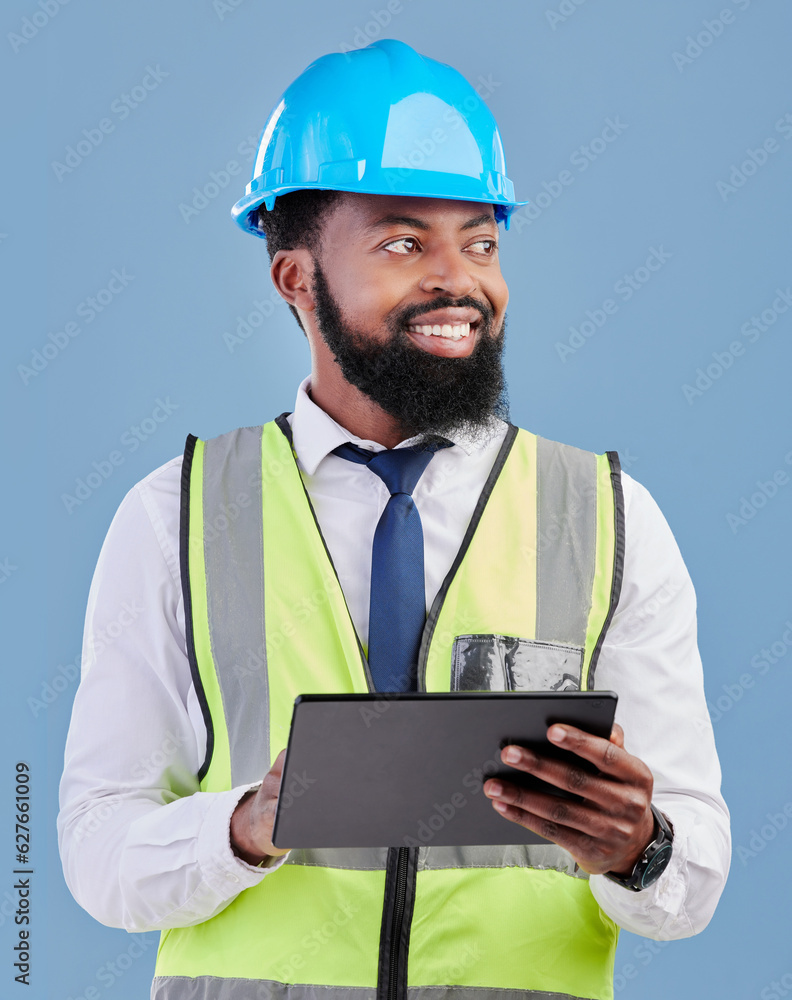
398,246
488,247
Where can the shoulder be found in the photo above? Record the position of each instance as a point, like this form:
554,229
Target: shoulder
150,508
645,524
641,511
655,575
162,478
159,490
549,446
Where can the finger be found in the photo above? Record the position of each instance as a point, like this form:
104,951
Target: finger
270,786
277,766
589,853
613,816
609,757
561,811
561,774
614,824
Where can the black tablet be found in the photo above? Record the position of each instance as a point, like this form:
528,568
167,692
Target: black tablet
378,770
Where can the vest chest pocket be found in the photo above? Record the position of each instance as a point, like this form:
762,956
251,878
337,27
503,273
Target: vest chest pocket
508,663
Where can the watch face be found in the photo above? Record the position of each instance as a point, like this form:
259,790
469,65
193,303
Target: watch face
656,866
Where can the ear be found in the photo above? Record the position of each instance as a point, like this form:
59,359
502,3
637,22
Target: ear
292,273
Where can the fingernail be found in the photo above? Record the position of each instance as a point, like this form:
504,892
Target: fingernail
556,734
494,788
511,754
500,806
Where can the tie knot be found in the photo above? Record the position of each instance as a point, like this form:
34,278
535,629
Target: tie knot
399,468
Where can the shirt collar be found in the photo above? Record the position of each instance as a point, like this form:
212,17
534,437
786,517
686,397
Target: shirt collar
315,434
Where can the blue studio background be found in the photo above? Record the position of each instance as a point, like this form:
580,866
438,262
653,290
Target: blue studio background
673,123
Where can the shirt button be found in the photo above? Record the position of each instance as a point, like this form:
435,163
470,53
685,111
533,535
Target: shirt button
232,878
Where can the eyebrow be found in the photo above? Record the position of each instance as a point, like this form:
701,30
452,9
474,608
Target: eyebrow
386,221
480,220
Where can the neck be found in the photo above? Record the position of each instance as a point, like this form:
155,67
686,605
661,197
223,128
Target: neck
353,409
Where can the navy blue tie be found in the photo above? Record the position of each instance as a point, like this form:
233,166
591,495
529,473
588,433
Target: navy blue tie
397,609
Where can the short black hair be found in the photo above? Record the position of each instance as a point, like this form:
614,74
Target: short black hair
296,222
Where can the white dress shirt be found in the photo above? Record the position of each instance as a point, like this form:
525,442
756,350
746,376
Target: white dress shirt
143,849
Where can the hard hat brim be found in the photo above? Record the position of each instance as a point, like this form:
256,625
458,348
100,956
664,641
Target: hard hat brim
245,210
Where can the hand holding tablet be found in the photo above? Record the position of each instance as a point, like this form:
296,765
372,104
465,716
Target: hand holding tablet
608,823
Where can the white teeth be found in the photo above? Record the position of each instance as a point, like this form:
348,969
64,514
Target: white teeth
447,330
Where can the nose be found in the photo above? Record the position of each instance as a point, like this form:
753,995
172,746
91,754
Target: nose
447,270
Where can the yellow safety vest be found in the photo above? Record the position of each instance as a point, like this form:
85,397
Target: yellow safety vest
525,607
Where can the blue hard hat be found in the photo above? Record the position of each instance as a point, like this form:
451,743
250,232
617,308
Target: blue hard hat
380,120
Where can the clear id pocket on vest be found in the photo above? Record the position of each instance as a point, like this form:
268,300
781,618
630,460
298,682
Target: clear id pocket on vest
508,663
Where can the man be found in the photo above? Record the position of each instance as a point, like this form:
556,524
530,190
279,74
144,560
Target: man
304,555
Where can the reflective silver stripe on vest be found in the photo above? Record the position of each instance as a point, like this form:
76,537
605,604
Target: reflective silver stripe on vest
542,856
566,540
497,856
233,547
211,988
481,993
365,859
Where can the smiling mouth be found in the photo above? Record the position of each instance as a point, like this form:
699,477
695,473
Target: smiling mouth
449,331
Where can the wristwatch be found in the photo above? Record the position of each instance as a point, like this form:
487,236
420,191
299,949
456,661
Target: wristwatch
654,860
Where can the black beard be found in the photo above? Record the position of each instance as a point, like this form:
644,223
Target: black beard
425,394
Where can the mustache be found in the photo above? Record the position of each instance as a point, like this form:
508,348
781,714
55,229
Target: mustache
402,319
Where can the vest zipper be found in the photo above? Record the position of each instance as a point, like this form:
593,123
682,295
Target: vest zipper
396,919
398,922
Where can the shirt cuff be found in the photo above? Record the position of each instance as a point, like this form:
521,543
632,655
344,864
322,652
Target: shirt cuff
227,874
658,912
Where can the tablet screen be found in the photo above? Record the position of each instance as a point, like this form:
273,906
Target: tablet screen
378,770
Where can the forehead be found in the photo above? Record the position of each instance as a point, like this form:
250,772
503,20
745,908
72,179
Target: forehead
366,214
